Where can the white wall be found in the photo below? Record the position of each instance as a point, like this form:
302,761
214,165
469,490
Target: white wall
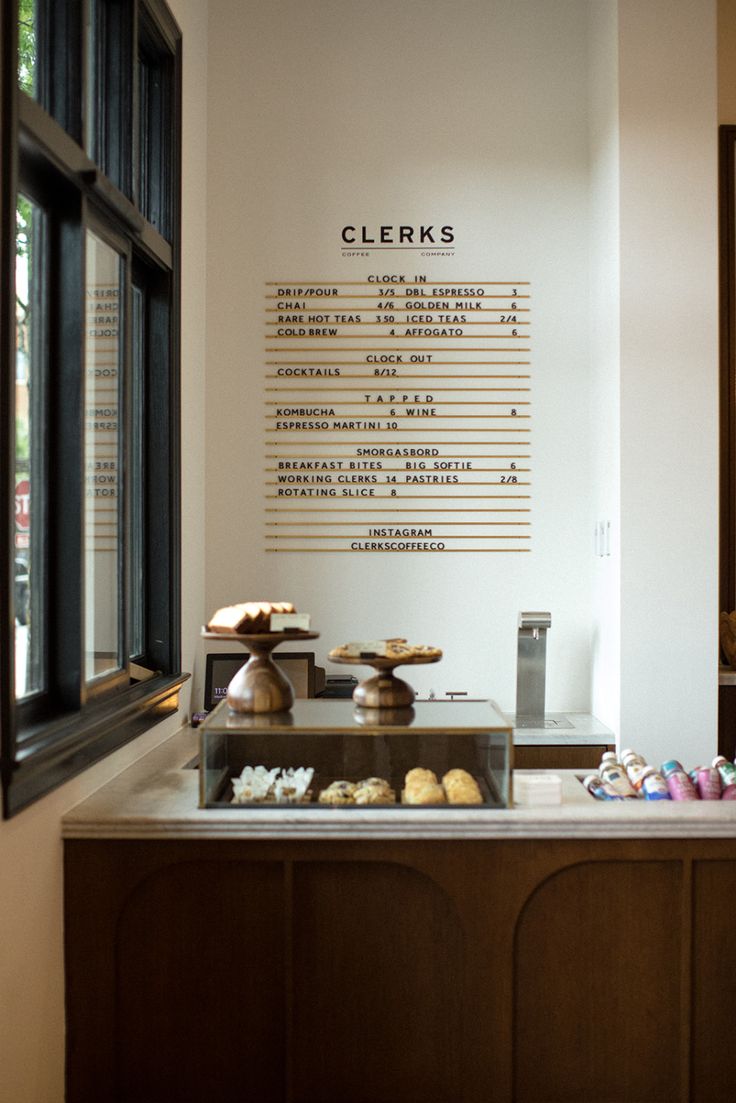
31,950
669,377
473,113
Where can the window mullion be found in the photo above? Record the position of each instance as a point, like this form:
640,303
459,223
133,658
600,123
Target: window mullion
126,398
8,191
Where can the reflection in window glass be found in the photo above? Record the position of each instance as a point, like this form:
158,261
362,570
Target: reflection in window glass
27,29
135,469
102,450
28,445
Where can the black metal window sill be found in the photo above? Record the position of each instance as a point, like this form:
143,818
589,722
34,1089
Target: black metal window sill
51,754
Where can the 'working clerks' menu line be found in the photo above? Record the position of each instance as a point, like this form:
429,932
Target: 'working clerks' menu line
384,430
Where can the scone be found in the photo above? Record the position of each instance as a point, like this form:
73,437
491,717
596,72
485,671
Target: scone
419,776
428,792
461,788
421,787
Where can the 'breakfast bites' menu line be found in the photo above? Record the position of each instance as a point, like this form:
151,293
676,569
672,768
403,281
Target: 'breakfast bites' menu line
385,432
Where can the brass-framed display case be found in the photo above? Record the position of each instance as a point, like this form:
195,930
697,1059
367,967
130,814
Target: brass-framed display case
340,741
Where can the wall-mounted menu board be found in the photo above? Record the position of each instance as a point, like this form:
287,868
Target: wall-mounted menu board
398,415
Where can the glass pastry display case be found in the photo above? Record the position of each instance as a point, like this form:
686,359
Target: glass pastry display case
326,753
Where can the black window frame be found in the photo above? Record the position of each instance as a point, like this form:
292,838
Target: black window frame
53,735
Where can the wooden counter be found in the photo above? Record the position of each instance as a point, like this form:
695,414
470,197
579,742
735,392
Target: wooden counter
570,954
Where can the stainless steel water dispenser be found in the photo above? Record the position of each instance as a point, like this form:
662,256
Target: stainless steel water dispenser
531,669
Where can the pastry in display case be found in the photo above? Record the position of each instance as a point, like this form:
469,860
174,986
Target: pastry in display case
325,754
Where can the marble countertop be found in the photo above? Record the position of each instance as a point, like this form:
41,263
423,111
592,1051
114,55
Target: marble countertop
157,798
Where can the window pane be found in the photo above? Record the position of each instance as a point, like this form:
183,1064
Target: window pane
27,31
29,446
155,134
135,475
109,99
102,450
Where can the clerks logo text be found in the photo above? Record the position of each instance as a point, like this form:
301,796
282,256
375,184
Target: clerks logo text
398,235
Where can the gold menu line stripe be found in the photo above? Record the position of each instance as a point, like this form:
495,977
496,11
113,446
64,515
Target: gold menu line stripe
380,390
401,321
410,509
445,456
395,337
305,478
429,378
388,348
435,536
434,429
432,497
421,405
396,551
457,470
393,298
361,363
411,305
392,284
398,417
422,443
397,298
379,523
404,429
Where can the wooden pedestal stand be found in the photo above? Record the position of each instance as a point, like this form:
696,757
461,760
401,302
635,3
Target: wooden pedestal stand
384,690
259,685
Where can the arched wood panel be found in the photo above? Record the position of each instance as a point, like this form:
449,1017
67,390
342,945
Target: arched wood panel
597,982
378,986
200,1007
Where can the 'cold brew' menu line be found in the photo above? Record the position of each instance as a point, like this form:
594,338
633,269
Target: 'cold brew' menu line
385,431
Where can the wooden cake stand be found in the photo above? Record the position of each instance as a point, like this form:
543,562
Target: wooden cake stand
384,690
259,685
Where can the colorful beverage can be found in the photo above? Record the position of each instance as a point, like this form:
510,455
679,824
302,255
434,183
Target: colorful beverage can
671,766
654,786
708,782
680,786
726,769
729,793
